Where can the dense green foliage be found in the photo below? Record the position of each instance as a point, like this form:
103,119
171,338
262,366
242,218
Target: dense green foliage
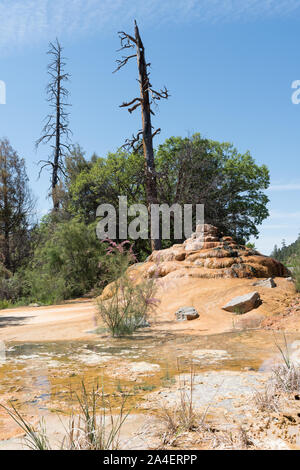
15,209
288,254
63,257
103,181
66,261
189,171
230,184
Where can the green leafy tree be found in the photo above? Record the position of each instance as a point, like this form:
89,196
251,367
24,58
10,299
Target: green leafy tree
16,206
231,185
288,254
189,171
120,174
75,163
66,261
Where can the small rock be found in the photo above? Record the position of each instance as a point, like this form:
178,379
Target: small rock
34,305
270,283
243,303
186,313
290,279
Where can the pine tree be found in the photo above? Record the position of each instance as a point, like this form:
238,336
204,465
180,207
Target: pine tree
16,206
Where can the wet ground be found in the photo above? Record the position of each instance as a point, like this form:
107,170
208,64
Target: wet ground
41,376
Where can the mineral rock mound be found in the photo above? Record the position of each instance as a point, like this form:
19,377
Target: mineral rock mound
209,254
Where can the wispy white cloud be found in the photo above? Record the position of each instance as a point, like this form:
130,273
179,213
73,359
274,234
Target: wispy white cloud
25,21
285,215
285,187
267,226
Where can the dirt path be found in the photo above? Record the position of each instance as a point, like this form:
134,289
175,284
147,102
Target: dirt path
69,321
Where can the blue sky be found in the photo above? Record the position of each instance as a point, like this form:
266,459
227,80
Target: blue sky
229,66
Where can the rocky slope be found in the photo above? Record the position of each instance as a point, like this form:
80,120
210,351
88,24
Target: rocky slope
205,272
207,254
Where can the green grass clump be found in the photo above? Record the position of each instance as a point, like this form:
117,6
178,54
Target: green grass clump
5,304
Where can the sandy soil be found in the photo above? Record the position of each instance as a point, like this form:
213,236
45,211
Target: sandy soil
69,321
208,296
74,320
138,432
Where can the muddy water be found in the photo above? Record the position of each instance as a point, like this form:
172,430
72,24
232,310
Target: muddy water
42,377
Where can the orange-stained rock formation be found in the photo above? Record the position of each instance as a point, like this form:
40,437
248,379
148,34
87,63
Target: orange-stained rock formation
207,254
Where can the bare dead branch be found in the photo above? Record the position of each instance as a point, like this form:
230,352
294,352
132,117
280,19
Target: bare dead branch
123,105
158,131
123,61
130,144
126,39
158,95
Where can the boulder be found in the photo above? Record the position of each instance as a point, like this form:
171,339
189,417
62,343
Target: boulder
270,283
186,313
243,303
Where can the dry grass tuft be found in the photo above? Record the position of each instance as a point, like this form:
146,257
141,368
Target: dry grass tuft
267,400
182,418
232,439
95,427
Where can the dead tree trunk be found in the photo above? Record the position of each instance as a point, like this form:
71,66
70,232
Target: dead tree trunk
55,198
56,129
151,187
147,97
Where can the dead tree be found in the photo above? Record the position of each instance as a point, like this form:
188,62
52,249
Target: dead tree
56,130
148,96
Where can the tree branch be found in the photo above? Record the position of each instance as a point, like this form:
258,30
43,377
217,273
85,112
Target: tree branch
123,61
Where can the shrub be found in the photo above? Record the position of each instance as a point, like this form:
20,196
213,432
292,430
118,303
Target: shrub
127,309
267,400
66,261
296,275
12,288
5,304
285,380
130,303
119,256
